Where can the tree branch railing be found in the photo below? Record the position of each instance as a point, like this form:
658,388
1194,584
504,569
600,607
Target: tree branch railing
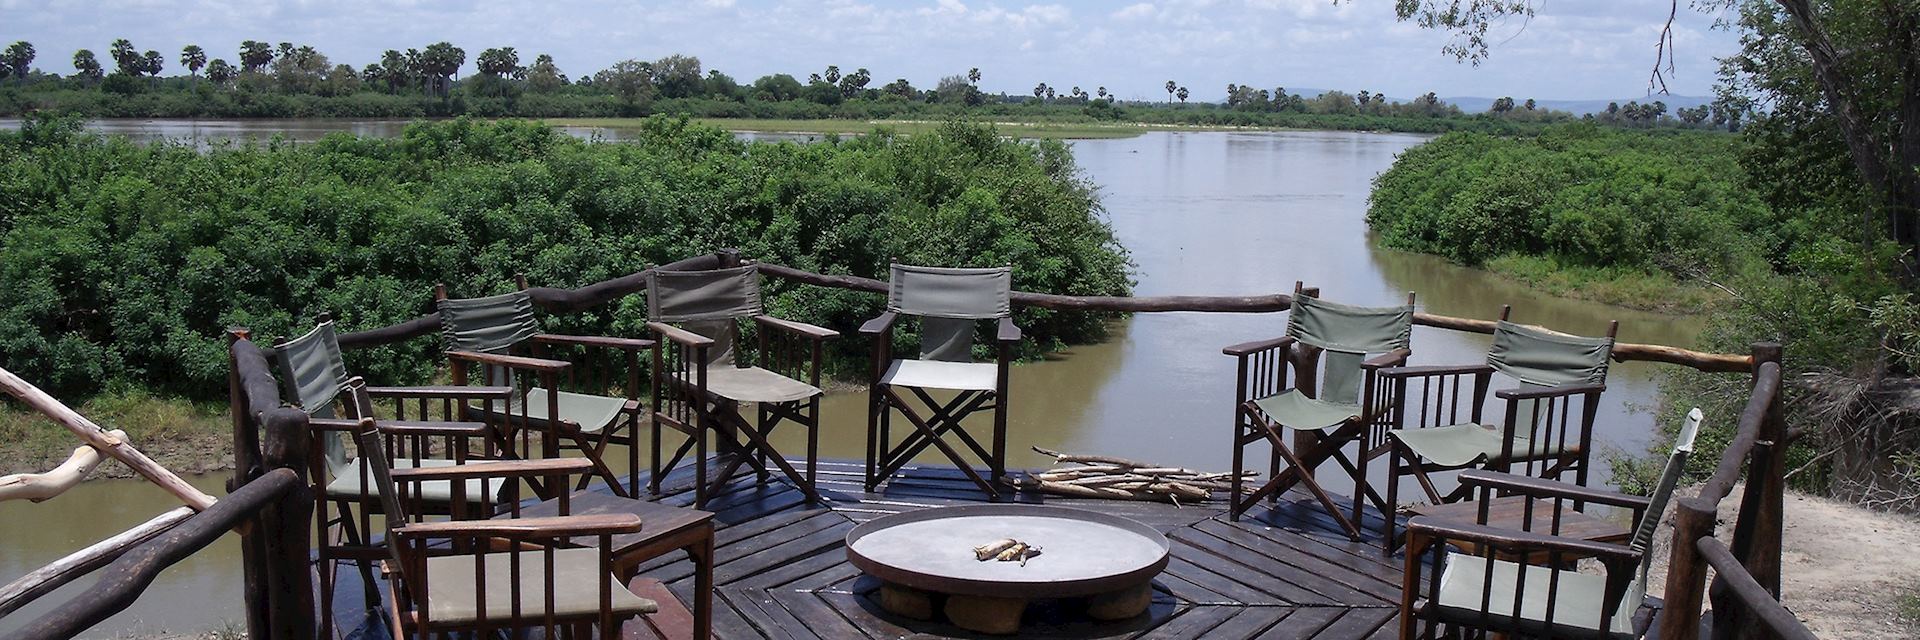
1745,592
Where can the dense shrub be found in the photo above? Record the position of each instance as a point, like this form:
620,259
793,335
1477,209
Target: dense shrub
1672,201
124,262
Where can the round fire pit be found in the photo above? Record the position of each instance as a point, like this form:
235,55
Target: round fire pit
926,557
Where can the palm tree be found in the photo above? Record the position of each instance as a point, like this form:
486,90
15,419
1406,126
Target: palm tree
151,62
1102,92
87,66
193,58
219,72
19,59
1039,90
973,75
1183,95
255,56
126,58
1170,87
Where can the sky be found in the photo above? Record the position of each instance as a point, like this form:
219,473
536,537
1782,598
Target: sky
1572,49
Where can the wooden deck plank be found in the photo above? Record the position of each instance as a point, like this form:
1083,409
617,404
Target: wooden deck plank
1356,624
1326,578
758,607
1290,583
813,612
1195,622
1250,623
1303,623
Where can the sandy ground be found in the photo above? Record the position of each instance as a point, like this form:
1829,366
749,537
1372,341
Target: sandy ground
1844,568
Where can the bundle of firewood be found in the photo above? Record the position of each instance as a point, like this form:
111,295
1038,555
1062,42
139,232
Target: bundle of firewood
1089,476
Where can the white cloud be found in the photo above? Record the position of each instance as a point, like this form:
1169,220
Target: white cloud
1134,11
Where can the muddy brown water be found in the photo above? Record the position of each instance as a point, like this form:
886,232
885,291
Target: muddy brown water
1203,213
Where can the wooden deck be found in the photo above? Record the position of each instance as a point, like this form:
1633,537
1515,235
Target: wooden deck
1281,572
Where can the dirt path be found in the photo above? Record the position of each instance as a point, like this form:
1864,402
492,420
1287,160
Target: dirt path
1845,569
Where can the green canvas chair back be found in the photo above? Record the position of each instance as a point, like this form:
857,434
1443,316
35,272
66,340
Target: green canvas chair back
948,301
492,324
1539,357
709,303
1642,540
313,373
488,325
1347,334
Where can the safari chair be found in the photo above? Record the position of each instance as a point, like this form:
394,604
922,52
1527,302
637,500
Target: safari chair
1541,433
700,385
948,303
1472,586
500,335
508,574
314,377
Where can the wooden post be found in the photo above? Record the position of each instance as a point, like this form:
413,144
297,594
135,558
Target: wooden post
1757,541
1686,570
93,435
285,525
246,467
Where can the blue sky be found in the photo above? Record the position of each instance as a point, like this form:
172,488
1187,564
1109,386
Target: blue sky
1571,50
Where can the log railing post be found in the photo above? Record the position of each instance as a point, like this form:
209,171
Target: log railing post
1686,570
246,467
285,524
1757,540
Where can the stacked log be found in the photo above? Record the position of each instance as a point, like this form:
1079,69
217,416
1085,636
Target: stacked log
1093,476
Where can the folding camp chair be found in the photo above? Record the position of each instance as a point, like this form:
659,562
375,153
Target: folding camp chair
1471,586
699,385
1346,409
509,574
948,302
314,376
500,335
1541,432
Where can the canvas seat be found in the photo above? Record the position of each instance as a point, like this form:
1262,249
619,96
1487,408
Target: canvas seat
453,600
500,338
1579,597
697,317
934,374
347,481
1482,590
1343,410
1546,429
592,413
1460,445
948,304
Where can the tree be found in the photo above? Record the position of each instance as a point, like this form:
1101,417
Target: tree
1530,104
956,89
499,63
832,76
632,80
86,66
219,71
193,58
1050,94
544,76
778,87
151,62
126,59
395,70
1040,90
1233,94
18,59
255,56
1182,92
441,61
678,76
1101,91
1170,87
853,83
973,76
1502,105
900,87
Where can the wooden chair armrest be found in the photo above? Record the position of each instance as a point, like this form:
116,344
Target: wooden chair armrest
1544,488
1250,348
451,392
347,425
546,527
679,335
1392,358
1550,392
626,344
1424,371
879,324
1531,541
796,328
1008,332
434,428
511,362
500,469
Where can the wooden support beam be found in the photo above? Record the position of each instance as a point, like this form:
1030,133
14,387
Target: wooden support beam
106,442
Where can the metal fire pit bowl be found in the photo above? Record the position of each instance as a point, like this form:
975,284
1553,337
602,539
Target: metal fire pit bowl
1083,553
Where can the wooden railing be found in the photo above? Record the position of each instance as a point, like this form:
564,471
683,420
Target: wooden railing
1746,588
270,503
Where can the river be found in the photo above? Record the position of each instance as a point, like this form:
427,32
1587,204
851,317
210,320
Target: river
1202,213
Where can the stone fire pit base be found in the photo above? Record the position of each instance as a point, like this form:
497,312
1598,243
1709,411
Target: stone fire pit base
1001,616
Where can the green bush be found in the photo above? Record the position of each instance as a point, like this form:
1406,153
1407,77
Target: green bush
1671,201
124,262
